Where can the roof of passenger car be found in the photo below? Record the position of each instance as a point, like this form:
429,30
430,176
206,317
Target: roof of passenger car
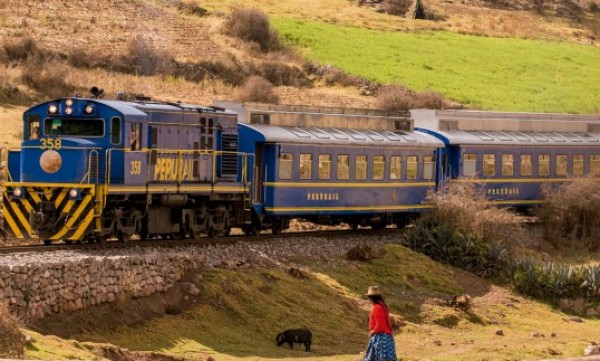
459,137
328,136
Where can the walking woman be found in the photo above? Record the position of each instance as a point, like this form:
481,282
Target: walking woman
381,341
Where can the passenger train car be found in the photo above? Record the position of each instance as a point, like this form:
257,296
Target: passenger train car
511,156
92,169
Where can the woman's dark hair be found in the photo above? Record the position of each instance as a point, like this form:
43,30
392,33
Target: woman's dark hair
376,299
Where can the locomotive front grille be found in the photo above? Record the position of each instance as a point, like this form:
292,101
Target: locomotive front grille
48,212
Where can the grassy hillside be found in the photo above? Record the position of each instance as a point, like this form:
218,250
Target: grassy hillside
488,73
238,313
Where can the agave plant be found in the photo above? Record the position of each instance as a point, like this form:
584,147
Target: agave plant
591,282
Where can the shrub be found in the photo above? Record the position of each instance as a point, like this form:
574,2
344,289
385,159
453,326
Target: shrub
396,7
191,8
23,50
257,89
594,7
12,342
143,58
279,74
394,99
49,78
571,212
253,25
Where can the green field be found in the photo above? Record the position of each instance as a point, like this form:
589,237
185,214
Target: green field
480,72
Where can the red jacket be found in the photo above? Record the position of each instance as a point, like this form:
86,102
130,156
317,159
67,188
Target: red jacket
379,321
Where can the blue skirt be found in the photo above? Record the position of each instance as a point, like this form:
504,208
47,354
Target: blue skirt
381,348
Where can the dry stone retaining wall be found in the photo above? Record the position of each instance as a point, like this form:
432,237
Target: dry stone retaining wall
36,285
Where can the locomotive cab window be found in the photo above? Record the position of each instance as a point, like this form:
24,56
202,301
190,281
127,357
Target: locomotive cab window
115,130
595,165
305,166
526,165
286,161
75,127
469,164
360,167
343,167
489,165
324,166
32,127
412,167
508,163
378,167
396,167
543,165
561,165
428,167
578,165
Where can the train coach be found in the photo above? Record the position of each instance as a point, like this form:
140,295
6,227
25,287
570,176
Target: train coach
90,169
364,169
510,157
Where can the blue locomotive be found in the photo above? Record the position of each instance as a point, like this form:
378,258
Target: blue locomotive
92,169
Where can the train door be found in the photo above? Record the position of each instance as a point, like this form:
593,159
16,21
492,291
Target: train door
258,173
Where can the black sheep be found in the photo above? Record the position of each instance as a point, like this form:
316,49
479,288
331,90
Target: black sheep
301,335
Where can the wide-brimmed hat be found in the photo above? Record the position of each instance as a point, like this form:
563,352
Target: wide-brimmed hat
373,291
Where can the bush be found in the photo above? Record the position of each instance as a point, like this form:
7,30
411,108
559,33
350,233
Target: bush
257,89
12,342
594,7
283,74
396,7
253,25
49,78
394,99
571,212
23,50
191,8
143,58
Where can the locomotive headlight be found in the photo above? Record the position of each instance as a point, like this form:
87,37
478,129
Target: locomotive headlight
74,193
18,192
52,109
69,102
89,109
69,110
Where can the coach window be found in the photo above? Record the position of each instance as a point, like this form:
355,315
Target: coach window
428,167
469,164
360,169
508,164
115,130
578,165
543,165
305,166
343,167
395,167
324,166
378,167
595,165
412,166
489,165
561,165
286,161
526,165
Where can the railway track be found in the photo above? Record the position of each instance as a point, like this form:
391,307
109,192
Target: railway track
201,242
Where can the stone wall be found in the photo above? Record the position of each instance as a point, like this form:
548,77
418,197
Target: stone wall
36,285
34,291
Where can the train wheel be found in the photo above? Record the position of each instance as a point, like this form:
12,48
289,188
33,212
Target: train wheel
47,242
251,230
122,237
68,241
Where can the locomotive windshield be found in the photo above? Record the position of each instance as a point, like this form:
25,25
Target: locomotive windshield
74,127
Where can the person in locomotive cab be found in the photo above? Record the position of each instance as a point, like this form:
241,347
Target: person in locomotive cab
35,133
133,138
381,345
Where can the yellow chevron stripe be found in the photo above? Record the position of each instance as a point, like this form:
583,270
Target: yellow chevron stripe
33,194
21,217
73,218
83,226
48,193
60,197
27,205
11,223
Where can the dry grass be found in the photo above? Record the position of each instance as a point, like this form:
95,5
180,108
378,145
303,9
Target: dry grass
464,208
257,89
570,215
12,341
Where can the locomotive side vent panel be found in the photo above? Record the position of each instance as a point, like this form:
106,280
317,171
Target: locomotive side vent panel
229,160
